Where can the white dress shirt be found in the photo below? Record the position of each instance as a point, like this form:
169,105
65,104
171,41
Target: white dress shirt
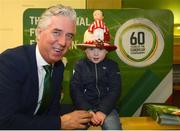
41,74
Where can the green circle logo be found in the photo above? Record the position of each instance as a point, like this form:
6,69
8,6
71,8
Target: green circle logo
140,42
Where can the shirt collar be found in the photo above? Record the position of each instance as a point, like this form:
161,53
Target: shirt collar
40,60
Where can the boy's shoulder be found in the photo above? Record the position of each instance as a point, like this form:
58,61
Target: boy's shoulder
110,61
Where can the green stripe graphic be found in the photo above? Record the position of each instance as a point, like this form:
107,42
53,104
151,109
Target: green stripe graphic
138,93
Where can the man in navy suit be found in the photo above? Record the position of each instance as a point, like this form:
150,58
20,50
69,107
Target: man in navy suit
22,75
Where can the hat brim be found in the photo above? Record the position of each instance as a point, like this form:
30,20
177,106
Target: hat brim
107,47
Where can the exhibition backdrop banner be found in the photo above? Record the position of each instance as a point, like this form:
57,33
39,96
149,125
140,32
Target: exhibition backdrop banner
144,40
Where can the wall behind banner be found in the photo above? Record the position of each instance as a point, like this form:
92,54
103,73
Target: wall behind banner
11,14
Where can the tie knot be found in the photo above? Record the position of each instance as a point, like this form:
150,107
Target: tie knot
48,68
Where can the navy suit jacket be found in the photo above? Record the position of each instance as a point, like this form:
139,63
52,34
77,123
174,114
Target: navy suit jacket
19,91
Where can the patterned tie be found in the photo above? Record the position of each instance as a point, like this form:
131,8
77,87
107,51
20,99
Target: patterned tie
48,90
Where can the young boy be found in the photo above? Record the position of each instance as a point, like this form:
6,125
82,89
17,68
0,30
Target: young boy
96,82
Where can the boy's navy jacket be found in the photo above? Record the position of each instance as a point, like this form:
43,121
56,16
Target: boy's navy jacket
19,91
96,86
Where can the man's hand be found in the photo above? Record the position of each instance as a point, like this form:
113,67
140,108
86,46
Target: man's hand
75,120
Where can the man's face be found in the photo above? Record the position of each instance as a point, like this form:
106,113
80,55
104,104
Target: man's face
54,41
96,55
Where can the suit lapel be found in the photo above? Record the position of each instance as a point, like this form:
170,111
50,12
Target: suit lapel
31,56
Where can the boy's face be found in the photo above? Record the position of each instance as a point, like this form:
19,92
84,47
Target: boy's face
96,55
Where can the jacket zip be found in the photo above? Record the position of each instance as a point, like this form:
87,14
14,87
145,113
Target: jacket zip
97,82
